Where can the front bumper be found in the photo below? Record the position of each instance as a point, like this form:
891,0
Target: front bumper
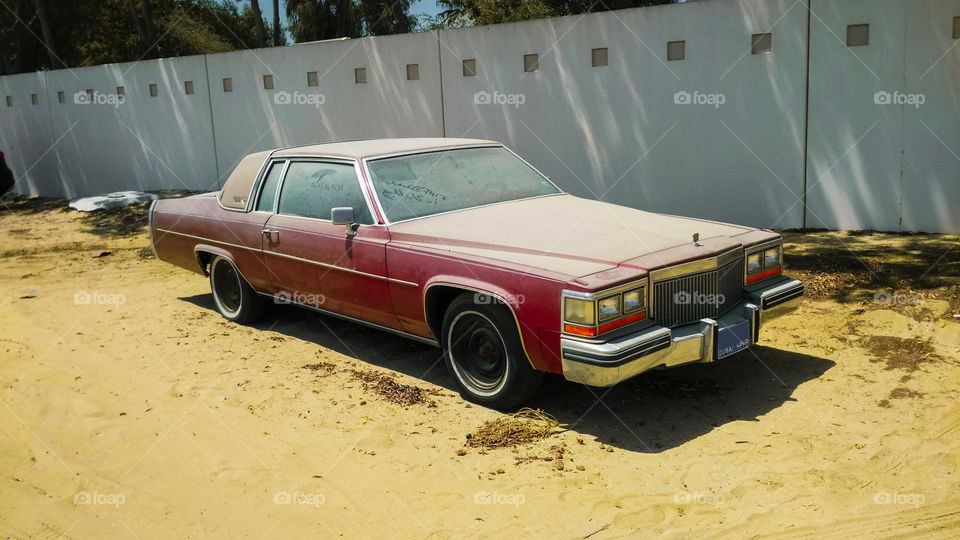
605,363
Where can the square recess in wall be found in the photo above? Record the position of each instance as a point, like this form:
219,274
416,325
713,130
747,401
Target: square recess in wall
188,87
313,79
268,82
470,67
676,50
9,101
228,84
858,35
531,63
956,28
761,43
413,72
60,97
360,75
33,99
154,91
89,92
598,57
120,91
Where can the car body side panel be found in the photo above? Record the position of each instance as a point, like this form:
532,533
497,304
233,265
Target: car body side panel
533,300
314,262
180,225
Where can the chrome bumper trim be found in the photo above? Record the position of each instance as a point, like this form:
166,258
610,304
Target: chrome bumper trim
608,363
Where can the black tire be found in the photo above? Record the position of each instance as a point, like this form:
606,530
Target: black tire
484,354
234,297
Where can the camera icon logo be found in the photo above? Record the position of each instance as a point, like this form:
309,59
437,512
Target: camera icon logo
82,98
682,297
82,298
883,297
682,497
482,98
882,498
282,98
282,497
482,497
81,497
882,98
682,98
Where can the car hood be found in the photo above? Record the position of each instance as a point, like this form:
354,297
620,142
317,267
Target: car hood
558,233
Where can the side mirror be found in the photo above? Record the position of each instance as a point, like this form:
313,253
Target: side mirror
343,215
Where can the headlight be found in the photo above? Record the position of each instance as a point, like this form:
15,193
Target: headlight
771,257
753,262
633,300
609,307
579,311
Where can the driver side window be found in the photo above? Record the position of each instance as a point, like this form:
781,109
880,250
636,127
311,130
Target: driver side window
312,189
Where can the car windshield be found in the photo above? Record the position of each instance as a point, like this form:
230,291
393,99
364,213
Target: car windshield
425,184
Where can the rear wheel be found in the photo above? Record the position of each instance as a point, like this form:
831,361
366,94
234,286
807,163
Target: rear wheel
483,352
234,297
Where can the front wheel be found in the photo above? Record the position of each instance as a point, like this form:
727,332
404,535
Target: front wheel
235,298
483,352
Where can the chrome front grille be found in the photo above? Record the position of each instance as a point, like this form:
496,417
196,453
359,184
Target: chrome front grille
689,298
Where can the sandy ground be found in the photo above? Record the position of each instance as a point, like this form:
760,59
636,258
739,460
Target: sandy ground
130,408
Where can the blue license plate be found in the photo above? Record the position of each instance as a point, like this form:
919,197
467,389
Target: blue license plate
733,339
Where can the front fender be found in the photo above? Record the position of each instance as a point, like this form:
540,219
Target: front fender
511,299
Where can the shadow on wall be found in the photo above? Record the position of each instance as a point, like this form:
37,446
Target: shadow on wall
651,413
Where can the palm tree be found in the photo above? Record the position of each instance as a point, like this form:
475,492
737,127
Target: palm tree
454,14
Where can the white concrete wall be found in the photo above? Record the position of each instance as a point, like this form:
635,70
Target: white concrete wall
25,134
143,142
613,133
388,105
874,165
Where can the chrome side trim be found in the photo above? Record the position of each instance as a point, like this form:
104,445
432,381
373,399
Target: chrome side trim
401,333
238,246
340,268
488,293
153,246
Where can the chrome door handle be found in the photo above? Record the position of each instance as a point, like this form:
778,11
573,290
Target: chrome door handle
269,233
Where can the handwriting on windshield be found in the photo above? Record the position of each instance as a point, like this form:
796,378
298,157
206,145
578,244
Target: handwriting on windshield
421,194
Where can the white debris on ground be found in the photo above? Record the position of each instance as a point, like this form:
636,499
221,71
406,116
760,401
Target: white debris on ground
111,200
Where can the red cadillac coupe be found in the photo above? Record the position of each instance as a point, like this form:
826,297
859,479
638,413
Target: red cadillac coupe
462,244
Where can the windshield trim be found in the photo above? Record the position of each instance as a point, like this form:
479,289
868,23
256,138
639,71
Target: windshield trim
364,163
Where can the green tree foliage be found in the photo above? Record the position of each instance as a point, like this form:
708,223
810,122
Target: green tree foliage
107,31
459,13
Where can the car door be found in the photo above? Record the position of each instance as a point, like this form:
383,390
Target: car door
313,262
